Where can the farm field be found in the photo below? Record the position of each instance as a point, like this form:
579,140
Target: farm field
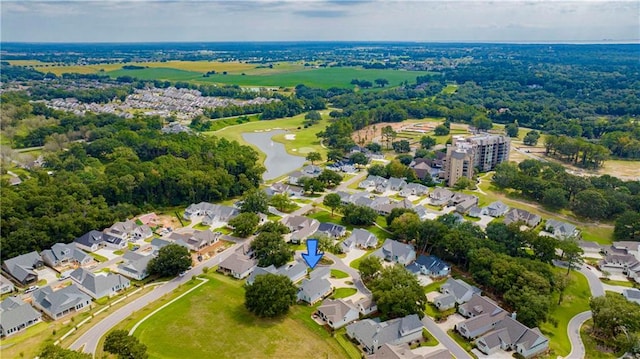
219,304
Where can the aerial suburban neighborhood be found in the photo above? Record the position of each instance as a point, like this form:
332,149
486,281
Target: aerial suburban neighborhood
405,180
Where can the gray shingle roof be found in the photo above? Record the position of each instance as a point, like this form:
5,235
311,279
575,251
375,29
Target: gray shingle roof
238,263
314,288
98,285
14,313
22,266
373,334
90,238
60,300
60,252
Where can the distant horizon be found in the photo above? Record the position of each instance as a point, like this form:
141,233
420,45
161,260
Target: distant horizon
505,42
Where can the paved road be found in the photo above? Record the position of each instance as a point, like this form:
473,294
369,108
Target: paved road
89,340
357,281
573,330
445,339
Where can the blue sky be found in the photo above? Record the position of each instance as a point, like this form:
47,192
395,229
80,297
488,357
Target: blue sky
336,20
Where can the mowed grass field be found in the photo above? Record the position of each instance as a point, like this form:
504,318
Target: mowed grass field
212,321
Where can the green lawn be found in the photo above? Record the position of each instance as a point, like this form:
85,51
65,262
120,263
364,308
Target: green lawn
622,283
98,257
335,273
343,293
576,300
465,344
321,77
212,319
201,227
434,286
355,264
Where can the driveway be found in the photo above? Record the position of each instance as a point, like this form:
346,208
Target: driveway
107,253
444,339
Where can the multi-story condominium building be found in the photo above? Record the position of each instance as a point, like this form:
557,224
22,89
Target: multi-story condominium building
483,152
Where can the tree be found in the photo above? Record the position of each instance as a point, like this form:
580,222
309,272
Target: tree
531,138
310,184
512,129
555,198
330,178
255,201
398,293
388,135
334,155
374,147
401,146
333,201
359,158
358,215
381,82
482,123
282,202
312,117
544,247
171,260
244,224
441,130
313,156
377,170
271,249
427,142
270,295
615,321
274,227
57,352
369,268
590,204
462,183
125,346
627,227
571,252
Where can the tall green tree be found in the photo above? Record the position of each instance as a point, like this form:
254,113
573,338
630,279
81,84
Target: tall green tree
271,249
125,346
313,157
171,260
369,268
270,295
244,224
255,201
427,142
333,201
398,293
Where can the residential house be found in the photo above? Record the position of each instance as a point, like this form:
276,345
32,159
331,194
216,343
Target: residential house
116,243
101,284
561,230
396,252
22,268
425,213
454,291
359,238
433,266
331,230
440,196
496,209
515,215
90,241
5,285
459,198
373,335
294,271
16,315
403,351
218,213
62,254
632,295
282,188
425,168
301,227
509,334
337,313
197,210
373,182
476,212
135,265
590,249
414,189
383,206
365,305
123,230
197,240
465,206
482,313
158,243
149,219
309,171
397,184
238,265
316,287
626,264
61,302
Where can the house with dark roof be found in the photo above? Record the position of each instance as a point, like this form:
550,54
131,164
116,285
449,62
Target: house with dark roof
238,265
90,241
359,238
16,315
61,302
509,334
372,335
294,271
5,285
433,266
454,291
135,265
515,215
22,268
396,252
331,230
482,313
301,227
62,254
337,312
101,284
561,230
114,242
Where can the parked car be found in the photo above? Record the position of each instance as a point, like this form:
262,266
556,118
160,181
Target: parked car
31,289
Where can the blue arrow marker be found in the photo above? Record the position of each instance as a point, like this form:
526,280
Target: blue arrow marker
312,257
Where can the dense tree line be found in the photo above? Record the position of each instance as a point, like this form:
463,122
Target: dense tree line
616,331
576,150
603,197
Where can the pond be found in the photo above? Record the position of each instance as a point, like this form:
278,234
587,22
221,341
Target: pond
278,161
